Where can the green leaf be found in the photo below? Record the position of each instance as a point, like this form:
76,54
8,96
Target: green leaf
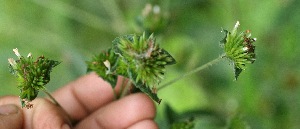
150,92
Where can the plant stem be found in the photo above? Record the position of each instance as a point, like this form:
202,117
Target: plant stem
125,89
51,97
193,71
70,121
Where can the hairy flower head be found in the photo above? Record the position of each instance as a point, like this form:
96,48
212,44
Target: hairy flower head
145,61
32,75
239,48
144,56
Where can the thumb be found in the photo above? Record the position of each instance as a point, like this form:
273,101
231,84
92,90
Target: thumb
11,117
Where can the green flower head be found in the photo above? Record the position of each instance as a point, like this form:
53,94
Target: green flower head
107,66
239,48
138,58
145,61
145,58
32,75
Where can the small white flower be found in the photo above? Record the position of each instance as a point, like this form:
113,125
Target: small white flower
17,52
29,55
237,24
245,48
12,62
107,64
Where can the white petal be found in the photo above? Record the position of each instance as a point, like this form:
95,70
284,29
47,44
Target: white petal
237,24
107,64
12,62
17,52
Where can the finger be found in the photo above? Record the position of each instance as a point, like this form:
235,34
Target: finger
43,115
83,96
144,124
121,114
11,117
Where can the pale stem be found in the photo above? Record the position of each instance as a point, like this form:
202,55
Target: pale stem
51,97
70,120
192,71
126,88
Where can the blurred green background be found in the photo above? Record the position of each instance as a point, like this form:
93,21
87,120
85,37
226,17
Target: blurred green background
266,96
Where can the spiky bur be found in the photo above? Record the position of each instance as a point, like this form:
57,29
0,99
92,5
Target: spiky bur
145,61
135,57
107,66
32,75
239,48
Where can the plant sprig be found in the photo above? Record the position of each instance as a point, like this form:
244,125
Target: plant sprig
32,76
138,58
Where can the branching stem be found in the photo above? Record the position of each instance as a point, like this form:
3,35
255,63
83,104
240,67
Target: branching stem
193,71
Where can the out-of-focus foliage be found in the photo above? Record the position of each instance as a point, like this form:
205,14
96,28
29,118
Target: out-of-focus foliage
267,93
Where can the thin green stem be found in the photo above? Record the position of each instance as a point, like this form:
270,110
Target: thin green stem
115,94
51,97
192,71
125,89
70,120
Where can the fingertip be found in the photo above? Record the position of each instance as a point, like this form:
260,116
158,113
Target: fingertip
84,95
45,114
144,124
122,113
11,117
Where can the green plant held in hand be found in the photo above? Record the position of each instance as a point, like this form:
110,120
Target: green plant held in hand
142,61
138,59
32,76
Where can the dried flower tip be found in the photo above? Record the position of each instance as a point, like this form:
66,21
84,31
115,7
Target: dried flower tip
29,55
17,52
245,48
237,24
27,104
107,64
12,62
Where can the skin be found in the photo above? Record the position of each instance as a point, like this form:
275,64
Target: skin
88,103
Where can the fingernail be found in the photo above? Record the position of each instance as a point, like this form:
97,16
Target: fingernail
66,126
8,109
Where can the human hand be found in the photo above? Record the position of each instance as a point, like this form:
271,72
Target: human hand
88,102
